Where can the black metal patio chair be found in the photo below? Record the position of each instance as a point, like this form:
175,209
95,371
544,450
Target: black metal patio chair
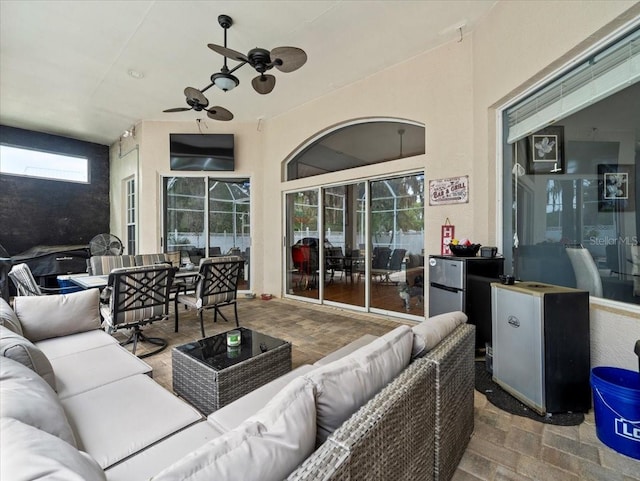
216,286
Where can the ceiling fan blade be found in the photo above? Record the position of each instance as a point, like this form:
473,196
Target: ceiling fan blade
195,96
227,52
219,113
288,59
177,109
263,84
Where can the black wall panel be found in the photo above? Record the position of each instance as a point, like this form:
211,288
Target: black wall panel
49,212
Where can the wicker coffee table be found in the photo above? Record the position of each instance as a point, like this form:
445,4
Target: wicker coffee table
209,375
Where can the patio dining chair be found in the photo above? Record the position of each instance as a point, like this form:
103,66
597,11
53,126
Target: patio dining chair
216,287
25,283
138,296
380,263
103,265
305,261
334,261
395,264
585,269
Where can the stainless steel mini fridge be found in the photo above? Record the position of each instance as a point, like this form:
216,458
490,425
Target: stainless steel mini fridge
541,345
464,284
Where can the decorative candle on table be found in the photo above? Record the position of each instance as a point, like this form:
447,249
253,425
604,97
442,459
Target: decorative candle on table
233,338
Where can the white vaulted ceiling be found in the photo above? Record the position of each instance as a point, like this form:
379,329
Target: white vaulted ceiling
64,65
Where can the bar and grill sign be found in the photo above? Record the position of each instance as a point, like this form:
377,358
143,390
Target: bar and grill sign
454,190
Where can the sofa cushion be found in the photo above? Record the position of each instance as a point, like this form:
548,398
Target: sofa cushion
116,420
43,317
27,397
163,454
8,318
232,415
267,446
27,453
19,349
431,331
345,385
74,343
86,370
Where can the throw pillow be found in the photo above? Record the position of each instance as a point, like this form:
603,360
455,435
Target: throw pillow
44,317
28,398
8,318
266,447
29,453
431,331
26,353
343,386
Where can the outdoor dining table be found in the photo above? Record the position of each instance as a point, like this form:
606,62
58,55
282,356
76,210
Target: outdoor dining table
100,281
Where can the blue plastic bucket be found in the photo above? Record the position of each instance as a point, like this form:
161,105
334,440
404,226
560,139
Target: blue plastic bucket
616,405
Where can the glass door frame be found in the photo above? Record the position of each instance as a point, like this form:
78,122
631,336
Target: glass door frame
321,236
205,177
350,203
288,266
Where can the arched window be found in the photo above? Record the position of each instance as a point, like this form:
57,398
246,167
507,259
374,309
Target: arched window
356,144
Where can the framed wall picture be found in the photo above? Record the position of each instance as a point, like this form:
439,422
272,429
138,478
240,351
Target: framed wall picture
616,188
545,151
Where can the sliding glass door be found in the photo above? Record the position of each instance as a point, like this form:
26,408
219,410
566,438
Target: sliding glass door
344,209
368,254
185,200
303,274
397,240
207,217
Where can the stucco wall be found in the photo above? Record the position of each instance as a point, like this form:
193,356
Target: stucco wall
454,90
435,89
518,44
613,337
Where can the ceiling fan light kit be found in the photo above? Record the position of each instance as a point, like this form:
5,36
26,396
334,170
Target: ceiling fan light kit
284,59
225,81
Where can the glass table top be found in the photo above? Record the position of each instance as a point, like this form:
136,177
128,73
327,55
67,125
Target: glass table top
214,352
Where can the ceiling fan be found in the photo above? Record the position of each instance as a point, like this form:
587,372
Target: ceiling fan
198,102
285,59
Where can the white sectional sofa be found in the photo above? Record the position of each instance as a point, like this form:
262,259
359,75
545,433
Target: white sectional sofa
76,405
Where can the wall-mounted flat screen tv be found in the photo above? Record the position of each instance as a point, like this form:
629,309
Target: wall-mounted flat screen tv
201,152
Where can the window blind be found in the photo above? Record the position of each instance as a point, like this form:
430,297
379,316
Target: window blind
607,72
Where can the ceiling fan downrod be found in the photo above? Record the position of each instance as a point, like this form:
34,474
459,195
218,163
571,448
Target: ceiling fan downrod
223,79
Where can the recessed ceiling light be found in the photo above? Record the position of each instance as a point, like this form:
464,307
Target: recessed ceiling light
135,74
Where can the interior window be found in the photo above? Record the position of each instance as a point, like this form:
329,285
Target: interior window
587,195
357,145
207,217
571,164
131,215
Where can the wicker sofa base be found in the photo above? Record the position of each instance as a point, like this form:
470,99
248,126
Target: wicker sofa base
417,428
